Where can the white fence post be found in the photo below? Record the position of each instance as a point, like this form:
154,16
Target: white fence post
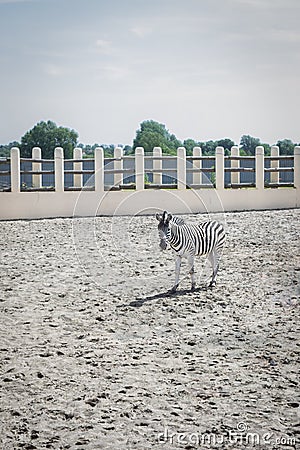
181,168
297,167
274,176
197,164
77,178
15,177
219,168
59,169
99,169
259,167
235,164
118,165
157,165
36,167
139,169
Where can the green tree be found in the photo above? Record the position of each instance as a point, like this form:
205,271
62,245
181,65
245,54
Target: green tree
267,148
153,134
173,143
47,136
208,147
5,149
108,150
226,143
127,149
156,127
189,144
286,147
249,143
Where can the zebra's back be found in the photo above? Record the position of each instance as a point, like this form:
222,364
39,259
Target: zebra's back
199,239
213,234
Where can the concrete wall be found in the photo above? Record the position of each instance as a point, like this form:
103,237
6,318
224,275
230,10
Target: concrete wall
32,205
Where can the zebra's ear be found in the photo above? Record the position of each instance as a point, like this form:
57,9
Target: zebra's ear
169,218
158,217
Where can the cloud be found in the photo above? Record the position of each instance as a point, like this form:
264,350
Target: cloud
104,46
141,31
53,70
285,36
116,72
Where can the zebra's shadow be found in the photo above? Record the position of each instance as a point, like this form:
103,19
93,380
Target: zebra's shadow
139,301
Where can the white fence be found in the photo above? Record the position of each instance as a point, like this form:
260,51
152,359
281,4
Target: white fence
194,186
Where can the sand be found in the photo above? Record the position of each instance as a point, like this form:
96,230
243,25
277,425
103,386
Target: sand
95,354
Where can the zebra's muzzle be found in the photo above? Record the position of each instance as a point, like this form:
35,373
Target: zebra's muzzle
163,244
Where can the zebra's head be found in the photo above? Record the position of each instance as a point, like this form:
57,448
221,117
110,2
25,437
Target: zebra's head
163,228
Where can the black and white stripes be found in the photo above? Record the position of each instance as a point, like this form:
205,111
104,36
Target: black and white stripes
188,241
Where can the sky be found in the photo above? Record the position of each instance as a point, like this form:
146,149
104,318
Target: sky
207,69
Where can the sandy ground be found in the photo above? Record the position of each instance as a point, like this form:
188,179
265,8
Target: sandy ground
96,355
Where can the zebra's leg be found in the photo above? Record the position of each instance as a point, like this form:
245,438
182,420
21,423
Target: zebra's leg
177,272
213,258
192,271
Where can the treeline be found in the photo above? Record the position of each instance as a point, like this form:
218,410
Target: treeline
153,134
47,136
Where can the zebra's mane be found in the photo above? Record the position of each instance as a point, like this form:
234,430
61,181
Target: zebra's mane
177,220
166,217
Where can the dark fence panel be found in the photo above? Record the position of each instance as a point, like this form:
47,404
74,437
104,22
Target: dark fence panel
4,179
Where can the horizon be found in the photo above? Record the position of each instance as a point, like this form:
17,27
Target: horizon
119,144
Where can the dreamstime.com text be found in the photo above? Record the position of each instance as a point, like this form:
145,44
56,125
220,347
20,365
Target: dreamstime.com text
242,436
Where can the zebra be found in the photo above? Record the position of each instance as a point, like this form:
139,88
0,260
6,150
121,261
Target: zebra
188,241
